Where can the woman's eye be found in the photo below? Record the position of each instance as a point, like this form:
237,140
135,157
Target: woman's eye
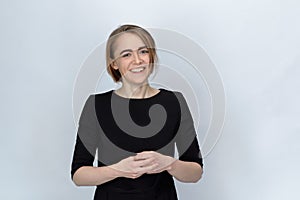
145,51
126,55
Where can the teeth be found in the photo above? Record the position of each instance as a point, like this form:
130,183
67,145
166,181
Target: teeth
138,69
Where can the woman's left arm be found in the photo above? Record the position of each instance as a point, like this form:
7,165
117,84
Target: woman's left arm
185,171
189,166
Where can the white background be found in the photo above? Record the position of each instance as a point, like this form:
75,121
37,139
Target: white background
254,44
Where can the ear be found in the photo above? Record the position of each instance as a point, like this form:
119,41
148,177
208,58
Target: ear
114,65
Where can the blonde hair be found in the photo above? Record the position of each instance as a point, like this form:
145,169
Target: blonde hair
138,31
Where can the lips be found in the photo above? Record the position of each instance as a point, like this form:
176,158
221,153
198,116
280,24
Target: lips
137,70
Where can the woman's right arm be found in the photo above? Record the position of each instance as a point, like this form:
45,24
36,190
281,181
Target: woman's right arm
128,168
92,176
82,170
83,173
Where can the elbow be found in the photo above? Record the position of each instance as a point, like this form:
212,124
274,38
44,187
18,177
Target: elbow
76,184
192,179
195,179
76,180
198,176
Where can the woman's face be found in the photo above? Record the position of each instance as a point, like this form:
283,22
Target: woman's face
132,59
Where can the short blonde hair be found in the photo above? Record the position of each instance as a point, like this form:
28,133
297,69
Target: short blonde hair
138,31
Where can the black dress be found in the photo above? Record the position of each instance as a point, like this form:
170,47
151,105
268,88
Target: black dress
120,127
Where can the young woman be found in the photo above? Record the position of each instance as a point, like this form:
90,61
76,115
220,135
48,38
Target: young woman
135,128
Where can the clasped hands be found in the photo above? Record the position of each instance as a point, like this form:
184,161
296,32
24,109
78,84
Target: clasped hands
149,162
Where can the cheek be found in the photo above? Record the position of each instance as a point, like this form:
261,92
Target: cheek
122,63
146,58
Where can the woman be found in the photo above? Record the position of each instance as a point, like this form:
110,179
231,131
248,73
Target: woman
135,129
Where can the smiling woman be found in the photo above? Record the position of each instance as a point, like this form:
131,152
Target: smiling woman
131,51
131,60
160,119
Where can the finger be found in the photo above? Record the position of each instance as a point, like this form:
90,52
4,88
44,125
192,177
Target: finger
131,175
142,163
154,171
135,176
144,152
142,156
158,169
148,168
147,153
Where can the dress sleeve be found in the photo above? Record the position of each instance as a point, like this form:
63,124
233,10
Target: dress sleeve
86,138
186,138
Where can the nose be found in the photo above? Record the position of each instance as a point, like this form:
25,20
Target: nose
137,58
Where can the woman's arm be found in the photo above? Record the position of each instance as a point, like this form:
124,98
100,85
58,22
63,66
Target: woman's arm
189,166
83,173
82,170
92,176
128,168
186,171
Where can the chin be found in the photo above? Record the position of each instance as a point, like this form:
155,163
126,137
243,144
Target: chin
139,81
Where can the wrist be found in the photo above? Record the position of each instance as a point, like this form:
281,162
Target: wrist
172,166
114,171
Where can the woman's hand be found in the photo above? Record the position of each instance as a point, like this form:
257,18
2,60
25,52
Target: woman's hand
132,167
162,162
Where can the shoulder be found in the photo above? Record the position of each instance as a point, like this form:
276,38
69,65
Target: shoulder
172,93
168,91
172,97
93,97
103,94
176,96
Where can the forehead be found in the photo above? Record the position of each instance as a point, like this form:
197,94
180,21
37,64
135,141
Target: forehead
127,41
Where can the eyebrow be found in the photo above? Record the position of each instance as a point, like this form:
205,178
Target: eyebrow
130,50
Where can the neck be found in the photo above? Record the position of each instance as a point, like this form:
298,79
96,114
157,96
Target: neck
135,91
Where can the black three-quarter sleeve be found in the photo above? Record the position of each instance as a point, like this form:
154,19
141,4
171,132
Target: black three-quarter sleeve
186,138
86,138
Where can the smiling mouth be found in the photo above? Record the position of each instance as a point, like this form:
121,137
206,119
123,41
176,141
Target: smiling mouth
138,69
